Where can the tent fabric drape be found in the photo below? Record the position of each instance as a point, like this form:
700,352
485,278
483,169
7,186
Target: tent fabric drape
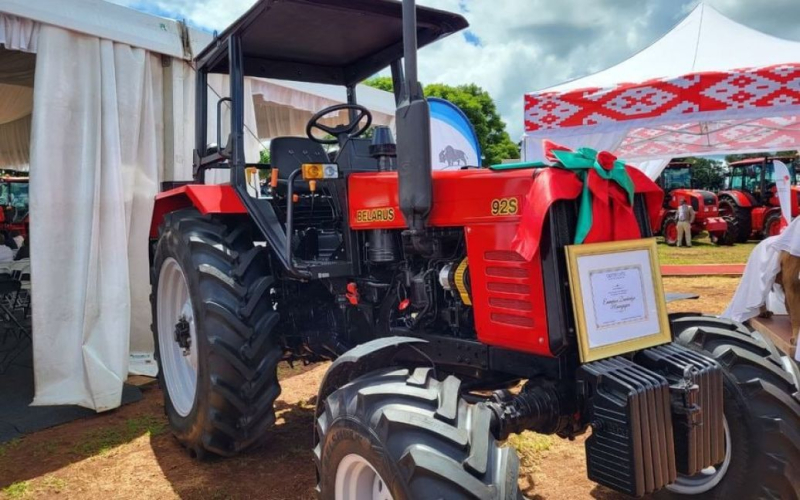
709,86
17,33
16,102
15,141
96,156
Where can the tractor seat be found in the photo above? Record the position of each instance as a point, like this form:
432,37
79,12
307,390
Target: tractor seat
355,156
287,154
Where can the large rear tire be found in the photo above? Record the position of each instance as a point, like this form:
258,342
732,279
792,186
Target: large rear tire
762,413
213,321
729,209
405,435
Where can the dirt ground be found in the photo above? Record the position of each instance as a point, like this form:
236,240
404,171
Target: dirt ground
130,454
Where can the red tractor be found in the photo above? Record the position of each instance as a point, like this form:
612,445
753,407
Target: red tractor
676,181
15,206
445,339
751,197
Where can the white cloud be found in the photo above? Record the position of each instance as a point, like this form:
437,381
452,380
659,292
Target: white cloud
527,45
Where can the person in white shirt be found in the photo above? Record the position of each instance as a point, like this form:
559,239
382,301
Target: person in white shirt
685,220
6,254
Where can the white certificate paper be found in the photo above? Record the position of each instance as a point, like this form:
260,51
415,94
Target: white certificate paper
617,296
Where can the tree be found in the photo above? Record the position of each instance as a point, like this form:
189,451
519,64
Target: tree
480,109
381,83
706,173
736,157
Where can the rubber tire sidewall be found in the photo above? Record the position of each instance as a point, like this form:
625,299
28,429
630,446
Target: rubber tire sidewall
669,220
347,436
189,428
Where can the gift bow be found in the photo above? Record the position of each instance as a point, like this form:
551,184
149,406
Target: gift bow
606,187
587,163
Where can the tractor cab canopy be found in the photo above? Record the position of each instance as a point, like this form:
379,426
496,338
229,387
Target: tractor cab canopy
338,42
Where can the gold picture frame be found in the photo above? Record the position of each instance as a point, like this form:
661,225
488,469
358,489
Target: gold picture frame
620,284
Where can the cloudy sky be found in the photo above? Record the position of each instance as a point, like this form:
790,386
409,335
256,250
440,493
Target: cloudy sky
517,46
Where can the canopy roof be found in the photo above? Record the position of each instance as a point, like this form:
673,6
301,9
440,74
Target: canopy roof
338,42
709,86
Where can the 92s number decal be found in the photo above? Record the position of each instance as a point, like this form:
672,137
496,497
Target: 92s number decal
505,206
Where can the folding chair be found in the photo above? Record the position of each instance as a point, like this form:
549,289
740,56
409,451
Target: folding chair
14,335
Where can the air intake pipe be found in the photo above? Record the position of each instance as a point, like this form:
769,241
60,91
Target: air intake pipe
413,135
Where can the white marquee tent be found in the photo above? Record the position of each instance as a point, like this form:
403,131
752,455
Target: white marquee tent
98,101
709,86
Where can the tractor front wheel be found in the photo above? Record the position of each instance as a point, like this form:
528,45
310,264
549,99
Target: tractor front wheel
213,322
669,230
762,414
772,224
397,434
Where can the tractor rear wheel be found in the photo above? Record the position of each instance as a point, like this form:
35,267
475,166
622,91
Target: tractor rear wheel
397,434
213,321
729,209
669,230
762,414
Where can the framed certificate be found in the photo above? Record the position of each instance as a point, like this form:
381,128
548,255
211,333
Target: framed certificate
618,297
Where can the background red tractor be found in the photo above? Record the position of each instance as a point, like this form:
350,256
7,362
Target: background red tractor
441,297
751,198
677,182
15,205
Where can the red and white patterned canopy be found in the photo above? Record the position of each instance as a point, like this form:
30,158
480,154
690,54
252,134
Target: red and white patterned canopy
689,99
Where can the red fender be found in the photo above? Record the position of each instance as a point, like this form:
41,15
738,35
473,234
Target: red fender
208,199
739,197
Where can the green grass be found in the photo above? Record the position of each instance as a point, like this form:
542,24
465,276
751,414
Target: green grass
17,490
703,252
102,441
530,445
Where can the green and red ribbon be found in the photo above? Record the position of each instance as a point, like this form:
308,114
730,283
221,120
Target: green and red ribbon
606,187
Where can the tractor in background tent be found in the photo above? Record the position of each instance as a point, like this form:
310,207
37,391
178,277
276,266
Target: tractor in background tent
15,205
750,198
677,182
443,298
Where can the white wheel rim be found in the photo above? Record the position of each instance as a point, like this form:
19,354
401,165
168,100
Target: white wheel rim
708,478
178,364
357,479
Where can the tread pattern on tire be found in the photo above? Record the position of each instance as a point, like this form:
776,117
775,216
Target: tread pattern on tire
439,441
768,382
234,283
743,218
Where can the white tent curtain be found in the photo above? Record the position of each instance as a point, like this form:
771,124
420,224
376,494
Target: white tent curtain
17,33
18,38
96,156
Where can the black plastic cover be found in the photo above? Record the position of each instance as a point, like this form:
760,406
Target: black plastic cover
415,186
339,42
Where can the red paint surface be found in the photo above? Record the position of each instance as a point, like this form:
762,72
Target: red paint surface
208,199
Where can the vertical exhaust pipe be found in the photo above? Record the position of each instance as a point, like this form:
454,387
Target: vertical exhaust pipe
413,123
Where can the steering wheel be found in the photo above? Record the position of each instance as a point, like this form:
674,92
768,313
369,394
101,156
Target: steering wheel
340,132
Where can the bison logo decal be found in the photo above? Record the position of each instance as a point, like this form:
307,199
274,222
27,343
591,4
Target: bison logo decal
452,156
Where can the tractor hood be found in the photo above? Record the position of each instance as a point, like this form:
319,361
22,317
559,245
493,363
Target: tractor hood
338,42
